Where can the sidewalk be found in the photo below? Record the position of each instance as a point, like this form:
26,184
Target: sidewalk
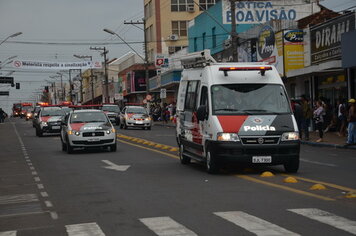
331,139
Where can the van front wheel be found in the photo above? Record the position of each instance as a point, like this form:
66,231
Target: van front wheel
183,158
212,166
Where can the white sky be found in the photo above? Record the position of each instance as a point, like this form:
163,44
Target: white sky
71,21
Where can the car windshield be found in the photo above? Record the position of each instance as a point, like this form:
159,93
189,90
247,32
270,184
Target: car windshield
136,110
115,109
52,112
88,117
249,99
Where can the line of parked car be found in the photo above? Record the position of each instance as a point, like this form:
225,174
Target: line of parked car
89,125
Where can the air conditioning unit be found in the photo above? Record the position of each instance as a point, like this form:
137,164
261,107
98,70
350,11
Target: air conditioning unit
173,37
190,8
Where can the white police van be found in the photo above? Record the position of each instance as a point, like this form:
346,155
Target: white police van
234,112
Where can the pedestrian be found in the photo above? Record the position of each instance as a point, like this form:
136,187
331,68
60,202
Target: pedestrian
298,115
318,116
351,138
342,118
2,115
307,115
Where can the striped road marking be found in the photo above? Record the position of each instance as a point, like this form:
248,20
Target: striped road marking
8,233
18,198
166,226
253,224
86,229
327,218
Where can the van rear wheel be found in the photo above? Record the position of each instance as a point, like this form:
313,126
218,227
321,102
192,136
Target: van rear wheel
212,166
183,158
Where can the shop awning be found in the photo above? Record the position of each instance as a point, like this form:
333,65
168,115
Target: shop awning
315,69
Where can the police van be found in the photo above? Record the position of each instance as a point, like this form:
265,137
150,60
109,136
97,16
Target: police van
234,112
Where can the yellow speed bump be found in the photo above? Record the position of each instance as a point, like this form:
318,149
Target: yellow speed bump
290,180
151,144
318,187
129,138
134,139
159,145
146,142
165,147
351,195
267,174
173,149
140,141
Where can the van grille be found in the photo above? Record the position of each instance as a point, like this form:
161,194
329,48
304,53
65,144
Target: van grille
262,140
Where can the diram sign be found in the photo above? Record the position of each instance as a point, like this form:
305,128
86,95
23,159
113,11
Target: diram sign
326,38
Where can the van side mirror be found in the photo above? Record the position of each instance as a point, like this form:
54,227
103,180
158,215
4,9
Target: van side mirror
202,113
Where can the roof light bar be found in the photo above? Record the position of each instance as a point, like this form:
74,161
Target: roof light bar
262,69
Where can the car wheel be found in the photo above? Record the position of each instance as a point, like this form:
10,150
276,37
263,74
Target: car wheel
113,147
39,132
292,165
69,147
183,158
212,166
149,127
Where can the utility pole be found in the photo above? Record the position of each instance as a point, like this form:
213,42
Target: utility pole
143,22
234,36
70,85
55,92
107,98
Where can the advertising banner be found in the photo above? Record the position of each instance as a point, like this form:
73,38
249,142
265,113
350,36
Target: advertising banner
326,38
56,65
293,50
259,12
270,48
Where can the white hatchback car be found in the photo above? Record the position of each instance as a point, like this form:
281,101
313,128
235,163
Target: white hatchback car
87,128
135,116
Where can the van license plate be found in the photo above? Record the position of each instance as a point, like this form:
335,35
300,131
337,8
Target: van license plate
261,159
93,139
56,127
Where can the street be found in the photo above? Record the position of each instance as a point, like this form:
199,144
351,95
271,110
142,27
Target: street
143,189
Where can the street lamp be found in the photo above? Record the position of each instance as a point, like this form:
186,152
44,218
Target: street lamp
11,36
91,77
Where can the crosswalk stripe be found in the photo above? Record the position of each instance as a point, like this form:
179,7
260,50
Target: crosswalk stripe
18,198
8,233
86,229
253,224
166,226
327,218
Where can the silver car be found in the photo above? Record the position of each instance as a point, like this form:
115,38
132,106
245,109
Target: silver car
135,116
87,128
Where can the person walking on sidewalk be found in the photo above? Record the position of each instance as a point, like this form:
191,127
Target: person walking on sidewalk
351,138
342,118
2,115
307,115
319,119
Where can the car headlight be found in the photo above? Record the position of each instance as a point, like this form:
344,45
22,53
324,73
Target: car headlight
108,132
148,118
290,136
44,123
77,133
228,137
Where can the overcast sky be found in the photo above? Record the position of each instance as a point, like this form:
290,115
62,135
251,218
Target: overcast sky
74,22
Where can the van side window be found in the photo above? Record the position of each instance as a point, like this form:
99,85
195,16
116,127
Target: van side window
191,97
204,96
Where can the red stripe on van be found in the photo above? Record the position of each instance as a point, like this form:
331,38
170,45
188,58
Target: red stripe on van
231,124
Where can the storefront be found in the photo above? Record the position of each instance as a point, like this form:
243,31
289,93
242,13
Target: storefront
348,60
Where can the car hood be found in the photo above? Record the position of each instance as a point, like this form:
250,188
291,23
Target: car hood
137,116
90,126
50,118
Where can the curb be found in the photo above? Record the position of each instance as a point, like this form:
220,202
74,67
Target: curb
328,145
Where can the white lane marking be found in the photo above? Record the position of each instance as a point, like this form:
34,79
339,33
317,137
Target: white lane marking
37,179
18,198
318,163
29,163
48,204
40,186
28,160
54,215
32,168
166,226
44,194
113,166
8,233
84,230
34,173
327,218
253,224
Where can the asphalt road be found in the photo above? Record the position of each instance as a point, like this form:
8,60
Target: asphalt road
142,189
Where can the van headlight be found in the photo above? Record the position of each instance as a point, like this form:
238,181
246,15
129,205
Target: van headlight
44,123
290,136
233,137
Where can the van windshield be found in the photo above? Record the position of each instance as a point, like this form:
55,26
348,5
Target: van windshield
249,99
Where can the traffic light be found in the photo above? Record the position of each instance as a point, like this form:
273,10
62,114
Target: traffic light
17,85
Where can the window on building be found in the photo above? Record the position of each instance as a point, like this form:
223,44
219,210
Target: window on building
195,44
213,33
205,4
148,10
149,33
204,40
179,28
181,5
174,49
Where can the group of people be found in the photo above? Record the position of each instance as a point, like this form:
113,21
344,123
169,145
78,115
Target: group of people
163,113
341,119
3,115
